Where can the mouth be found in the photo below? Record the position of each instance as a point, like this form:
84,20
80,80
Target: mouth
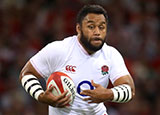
97,40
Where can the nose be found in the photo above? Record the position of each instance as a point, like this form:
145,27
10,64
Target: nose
96,31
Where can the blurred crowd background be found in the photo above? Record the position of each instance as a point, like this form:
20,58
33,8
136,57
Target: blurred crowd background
28,25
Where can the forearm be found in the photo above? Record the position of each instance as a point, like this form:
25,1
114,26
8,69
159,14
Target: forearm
121,93
32,85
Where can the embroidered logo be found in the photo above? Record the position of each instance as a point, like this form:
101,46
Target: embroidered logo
71,68
104,70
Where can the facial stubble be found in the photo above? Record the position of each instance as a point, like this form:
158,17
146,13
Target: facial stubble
87,43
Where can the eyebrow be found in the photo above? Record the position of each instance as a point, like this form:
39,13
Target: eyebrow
90,21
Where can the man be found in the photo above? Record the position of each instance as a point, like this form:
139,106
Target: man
92,64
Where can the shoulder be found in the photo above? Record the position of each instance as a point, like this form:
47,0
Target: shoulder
58,50
61,45
110,51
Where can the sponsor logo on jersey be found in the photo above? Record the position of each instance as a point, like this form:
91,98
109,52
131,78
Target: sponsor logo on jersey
104,69
71,68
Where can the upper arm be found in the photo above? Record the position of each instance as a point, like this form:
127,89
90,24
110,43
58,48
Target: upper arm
118,67
29,69
44,62
119,73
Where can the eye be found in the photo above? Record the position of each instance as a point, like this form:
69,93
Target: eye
91,27
101,27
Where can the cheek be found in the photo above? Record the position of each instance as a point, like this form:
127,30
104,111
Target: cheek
87,33
104,33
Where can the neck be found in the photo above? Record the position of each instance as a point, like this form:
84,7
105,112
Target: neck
87,50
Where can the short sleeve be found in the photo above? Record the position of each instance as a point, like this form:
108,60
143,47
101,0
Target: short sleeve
118,67
40,61
48,59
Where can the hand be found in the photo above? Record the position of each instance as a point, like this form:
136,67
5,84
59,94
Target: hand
98,95
56,101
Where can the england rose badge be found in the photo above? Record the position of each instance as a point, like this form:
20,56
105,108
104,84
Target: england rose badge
104,70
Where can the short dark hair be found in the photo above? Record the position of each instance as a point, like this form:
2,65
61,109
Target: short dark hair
96,9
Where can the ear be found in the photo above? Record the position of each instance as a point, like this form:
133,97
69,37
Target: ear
78,29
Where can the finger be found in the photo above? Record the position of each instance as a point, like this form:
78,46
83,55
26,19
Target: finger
64,99
94,84
66,103
51,89
63,102
62,95
92,101
87,99
86,92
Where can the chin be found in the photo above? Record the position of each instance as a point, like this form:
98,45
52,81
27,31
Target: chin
96,48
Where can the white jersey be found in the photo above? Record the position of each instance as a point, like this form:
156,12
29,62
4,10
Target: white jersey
69,56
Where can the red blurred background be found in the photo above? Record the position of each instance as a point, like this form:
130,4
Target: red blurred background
28,25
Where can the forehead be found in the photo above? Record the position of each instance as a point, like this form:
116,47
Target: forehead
94,18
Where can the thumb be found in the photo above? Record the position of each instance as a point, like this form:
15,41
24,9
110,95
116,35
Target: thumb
94,84
51,88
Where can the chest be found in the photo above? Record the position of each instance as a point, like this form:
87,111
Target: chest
83,69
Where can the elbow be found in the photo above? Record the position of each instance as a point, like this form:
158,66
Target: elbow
133,93
20,76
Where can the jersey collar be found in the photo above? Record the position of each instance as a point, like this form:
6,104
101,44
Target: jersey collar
85,52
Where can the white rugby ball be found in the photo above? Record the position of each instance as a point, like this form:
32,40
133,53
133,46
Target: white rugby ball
61,82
